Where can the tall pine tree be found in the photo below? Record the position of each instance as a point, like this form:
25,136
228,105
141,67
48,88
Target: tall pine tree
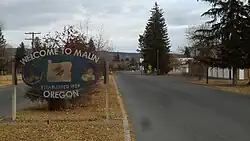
154,43
187,52
116,57
91,45
20,53
141,50
2,49
133,62
228,25
37,45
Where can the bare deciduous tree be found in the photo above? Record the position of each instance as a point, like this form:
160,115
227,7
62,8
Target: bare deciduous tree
69,37
73,36
101,43
201,47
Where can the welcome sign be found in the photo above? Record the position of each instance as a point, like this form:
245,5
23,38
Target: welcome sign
60,73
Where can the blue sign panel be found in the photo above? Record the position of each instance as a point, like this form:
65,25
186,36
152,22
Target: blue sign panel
60,74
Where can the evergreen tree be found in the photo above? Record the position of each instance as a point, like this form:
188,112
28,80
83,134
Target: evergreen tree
20,53
91,45
155,43
142,50
126,59
245,34
37,45
133,62
229,20
116,57
2,50
187,52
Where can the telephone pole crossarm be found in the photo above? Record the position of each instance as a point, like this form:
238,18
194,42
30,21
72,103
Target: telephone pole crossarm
32,37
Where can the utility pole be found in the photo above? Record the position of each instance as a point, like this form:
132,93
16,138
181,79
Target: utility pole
157,57
157,50
32,37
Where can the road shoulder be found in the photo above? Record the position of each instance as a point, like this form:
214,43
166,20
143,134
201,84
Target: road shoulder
127,126
225,85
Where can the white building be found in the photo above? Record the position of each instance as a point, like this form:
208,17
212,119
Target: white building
183,66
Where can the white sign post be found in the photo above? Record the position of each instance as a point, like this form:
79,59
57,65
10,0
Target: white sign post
14,83
106,82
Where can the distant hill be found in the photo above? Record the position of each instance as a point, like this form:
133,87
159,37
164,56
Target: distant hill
108,55
123,55
11,51
103,54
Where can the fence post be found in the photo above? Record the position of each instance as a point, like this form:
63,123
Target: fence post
207,69
223,73
14,83
217,72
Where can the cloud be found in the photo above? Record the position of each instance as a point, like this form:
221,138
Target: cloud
122,20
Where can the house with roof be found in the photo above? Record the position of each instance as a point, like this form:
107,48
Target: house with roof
180,63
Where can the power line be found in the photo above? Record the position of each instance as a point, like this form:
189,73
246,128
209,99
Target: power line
32,37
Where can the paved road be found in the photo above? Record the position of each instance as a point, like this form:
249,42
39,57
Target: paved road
167,109
5,99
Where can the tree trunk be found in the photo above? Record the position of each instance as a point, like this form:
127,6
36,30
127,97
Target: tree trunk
248,76
217,72
207,74
230,73
223,73
234,76
200,72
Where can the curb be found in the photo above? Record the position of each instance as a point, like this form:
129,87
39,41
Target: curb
126,128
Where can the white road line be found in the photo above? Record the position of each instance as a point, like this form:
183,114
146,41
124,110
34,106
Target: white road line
125,119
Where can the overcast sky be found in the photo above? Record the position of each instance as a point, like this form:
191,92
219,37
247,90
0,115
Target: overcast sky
122,20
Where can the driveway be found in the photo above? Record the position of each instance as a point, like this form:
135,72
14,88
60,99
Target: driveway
165,108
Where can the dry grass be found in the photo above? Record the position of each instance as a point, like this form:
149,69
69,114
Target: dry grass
7,79
84,123
226,85
64,131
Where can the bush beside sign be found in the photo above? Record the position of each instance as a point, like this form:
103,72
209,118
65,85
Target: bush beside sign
60,73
